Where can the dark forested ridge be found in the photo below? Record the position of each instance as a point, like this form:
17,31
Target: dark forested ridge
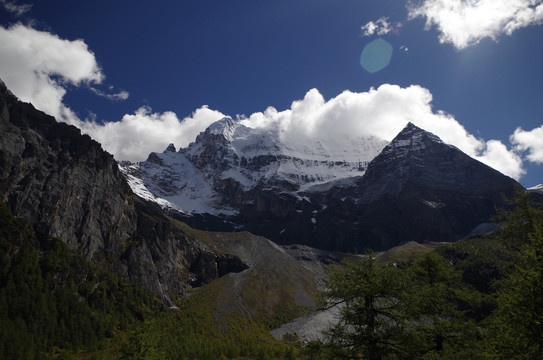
477,298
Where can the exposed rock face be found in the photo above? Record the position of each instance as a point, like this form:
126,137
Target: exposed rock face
66,186
62,182
418,189
444,194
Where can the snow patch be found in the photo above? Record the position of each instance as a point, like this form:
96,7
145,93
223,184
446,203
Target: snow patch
537,189
433,204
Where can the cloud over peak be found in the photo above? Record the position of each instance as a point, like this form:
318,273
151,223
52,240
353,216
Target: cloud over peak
136,135
381,112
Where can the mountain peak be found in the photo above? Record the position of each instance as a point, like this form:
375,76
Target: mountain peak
226,127
170,148
411,138
5,92
417,156
412,131
236,176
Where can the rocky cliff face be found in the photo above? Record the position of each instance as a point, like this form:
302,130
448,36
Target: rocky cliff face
60,181
66,186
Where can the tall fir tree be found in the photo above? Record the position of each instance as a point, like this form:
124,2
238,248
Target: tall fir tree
518,320
370,301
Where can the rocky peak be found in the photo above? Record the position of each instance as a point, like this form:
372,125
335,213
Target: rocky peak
421,189
410,139
416,155
225,127
170,148
4,91
212,148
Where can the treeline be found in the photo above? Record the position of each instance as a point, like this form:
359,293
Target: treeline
480,298
55,305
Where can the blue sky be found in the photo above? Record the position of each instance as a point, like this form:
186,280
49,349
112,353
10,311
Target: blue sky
472,68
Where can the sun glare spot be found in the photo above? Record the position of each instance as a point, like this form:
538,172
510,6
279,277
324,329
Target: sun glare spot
376,55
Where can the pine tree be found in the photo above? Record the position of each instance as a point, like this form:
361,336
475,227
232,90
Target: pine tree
370,299
438,326
518,320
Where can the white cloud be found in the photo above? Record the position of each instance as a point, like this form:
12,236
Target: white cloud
137,135
36,66
381,112
495,154
15,8
531,141
404,48
120,96
465,22
379,27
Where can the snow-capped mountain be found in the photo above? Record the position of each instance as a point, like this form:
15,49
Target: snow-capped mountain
419,189
537,189
229,156
345,194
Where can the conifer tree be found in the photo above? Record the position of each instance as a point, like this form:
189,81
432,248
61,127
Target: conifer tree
437,325
518,320
370,299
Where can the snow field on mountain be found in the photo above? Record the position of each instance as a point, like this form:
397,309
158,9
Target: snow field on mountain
188,179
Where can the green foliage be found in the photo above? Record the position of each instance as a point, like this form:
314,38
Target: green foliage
438,325
370,298
51,299
482,260
418,311
195,332
519,220
518,321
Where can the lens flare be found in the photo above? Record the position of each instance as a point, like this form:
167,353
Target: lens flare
376,55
